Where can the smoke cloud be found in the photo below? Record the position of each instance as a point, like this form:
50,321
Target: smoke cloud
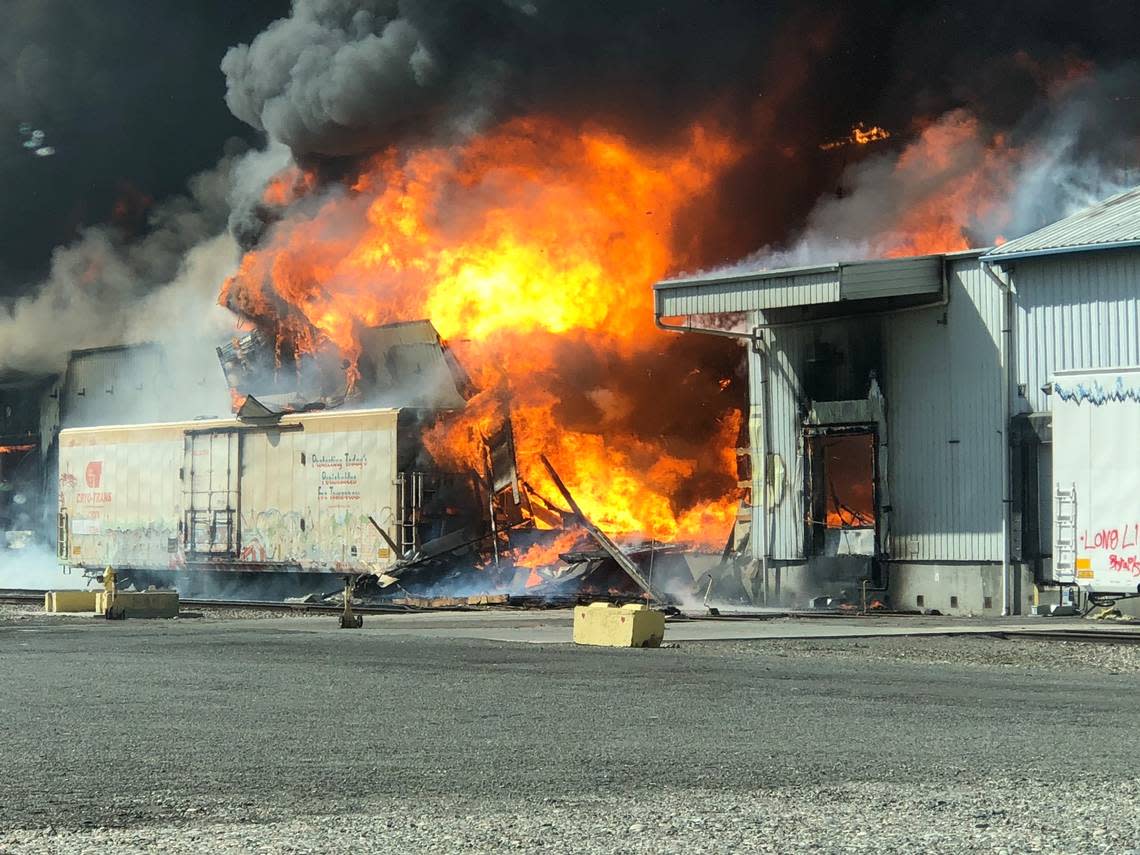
964,182
105,290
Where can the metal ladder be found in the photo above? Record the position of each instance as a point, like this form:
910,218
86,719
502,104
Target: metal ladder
1065,523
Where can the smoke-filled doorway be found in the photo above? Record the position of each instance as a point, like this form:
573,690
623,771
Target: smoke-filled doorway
840,493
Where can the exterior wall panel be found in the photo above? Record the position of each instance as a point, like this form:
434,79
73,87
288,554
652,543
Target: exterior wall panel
788,348
943,455
945,410
896,277
713,297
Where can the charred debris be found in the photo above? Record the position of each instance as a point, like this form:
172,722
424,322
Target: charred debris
462,530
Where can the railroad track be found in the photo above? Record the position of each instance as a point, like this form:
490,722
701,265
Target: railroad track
19,596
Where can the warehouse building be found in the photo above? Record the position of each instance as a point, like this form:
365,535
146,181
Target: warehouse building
899,412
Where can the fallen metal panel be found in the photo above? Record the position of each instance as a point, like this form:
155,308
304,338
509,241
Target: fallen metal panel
600,536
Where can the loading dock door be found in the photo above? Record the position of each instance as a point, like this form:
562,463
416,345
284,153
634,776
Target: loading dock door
211,477
841,491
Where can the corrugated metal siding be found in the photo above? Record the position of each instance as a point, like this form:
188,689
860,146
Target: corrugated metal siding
745,295
1076,311
891,278
859,280
114,386
944,398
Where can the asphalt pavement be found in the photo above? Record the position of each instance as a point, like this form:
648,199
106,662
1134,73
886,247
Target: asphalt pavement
285,735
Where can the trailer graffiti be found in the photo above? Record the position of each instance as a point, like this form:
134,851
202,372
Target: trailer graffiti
272,535
1120,537
1125,564
1097,394
276,536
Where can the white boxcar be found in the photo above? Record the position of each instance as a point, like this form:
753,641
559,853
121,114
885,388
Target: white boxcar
226,495
1096,473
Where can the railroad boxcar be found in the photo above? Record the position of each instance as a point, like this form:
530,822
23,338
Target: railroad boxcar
298,495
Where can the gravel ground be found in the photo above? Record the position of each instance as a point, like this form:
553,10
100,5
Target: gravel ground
198,736
974,651
1005,816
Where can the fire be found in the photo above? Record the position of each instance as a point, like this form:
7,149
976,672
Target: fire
963,179
16,449
288,185
545,554
860,135
532,248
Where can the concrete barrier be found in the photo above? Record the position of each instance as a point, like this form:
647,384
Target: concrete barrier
58,602
606,625
138,604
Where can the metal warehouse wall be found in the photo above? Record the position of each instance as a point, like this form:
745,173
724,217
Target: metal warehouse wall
114,386
943,388
1080,310
942,383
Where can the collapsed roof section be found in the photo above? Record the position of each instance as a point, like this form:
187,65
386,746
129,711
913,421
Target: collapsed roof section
400,365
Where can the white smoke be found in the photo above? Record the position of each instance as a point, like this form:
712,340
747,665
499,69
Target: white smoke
162,287
35,567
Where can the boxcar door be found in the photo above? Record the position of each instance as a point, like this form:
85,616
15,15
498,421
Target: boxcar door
211,478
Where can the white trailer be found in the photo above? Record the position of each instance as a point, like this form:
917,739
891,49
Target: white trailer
291,496
1096,474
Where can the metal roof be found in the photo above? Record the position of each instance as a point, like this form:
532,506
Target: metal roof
1111,224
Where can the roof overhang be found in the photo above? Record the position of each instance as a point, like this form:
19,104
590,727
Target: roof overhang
827,291
996,256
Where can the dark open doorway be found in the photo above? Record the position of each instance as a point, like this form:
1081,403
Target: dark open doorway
840,492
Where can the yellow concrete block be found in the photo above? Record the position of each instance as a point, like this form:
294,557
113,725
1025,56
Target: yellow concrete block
69,601
139,604
606,625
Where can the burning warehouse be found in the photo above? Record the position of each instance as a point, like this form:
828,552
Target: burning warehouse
335,261
900,426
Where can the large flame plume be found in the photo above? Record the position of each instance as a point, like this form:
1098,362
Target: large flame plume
532,248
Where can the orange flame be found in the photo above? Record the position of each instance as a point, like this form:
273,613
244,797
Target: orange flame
526,247
860,135
545,554
966,177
